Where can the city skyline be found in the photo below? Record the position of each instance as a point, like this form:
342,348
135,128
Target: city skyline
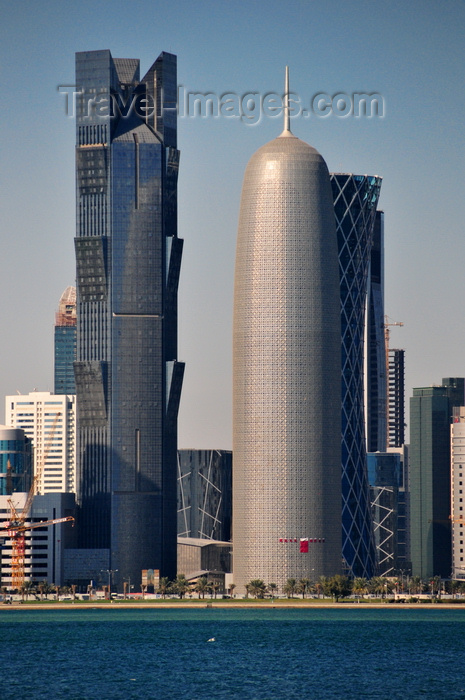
409,55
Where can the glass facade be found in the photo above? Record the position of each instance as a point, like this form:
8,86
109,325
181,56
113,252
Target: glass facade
355,200
431,410
376,361
65,343
15,461
205,494
128,379
385,479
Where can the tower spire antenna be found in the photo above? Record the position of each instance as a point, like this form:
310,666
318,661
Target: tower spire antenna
287,130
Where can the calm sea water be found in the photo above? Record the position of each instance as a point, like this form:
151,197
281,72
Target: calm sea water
258,654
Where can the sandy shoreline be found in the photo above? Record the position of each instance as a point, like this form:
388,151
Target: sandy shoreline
212,604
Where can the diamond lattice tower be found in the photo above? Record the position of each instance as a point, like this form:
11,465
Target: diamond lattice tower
355,201
287,371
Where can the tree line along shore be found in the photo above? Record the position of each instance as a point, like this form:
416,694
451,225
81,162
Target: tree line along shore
296,592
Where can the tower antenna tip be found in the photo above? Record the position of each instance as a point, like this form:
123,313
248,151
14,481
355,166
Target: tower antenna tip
287,130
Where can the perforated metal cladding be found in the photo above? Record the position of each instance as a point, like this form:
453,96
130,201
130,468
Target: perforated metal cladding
287,371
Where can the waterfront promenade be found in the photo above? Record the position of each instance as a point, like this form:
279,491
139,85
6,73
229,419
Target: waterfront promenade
280,603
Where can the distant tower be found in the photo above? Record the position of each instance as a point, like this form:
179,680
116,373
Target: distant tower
431,411
65,343
376,382
396,397
15,461
287,369
35,413
457,476
355,200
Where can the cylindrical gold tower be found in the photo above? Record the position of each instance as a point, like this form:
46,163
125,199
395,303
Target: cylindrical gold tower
287,370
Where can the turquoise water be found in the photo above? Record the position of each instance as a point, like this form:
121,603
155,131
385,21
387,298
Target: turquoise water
258,654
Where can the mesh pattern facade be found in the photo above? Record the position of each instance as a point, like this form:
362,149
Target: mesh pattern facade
355,200
286,364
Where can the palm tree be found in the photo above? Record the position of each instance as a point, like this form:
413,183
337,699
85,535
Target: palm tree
320,585
216,585
303,586
376,586
453,586
436,586
164,586
257,588
201,586
359,587
290,587
272,587
27,588
45,588
416,584
231,589
181,585
65,590
339,586
380,585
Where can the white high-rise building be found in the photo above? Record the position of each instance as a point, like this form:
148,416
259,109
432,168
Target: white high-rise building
457,451
37,413
287,370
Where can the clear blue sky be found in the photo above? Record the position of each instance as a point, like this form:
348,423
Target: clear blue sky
411,53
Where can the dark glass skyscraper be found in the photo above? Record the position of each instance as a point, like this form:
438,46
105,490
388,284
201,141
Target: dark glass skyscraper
431,411
128,256
65,343
15,461
376,360
355,200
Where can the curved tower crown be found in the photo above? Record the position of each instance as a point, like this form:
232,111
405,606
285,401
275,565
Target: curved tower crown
287,369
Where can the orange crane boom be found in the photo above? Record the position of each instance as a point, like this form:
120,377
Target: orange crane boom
10,531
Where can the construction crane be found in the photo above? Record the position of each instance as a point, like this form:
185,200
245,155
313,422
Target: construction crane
16,527
387,323
12,530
